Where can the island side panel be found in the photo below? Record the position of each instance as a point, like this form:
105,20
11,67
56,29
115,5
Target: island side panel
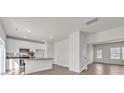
32,66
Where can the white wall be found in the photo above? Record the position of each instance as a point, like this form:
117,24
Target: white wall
83,51
90,53
50,50
62,52
2,33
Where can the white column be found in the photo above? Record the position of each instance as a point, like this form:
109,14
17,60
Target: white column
78,60
74,52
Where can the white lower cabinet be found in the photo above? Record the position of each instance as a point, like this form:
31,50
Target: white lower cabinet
12,64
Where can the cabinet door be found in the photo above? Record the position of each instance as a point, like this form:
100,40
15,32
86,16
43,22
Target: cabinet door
13,64
16,63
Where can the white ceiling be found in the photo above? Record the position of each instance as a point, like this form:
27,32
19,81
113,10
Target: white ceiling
103,24
53,29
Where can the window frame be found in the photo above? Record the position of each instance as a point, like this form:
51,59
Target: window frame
99,54
114,53
122,53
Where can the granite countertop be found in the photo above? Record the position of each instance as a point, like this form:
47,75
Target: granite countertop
16,57
29,58
39,59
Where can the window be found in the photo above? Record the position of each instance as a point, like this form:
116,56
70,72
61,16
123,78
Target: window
99,54
122,52
115,53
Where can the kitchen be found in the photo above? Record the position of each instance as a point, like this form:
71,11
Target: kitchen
27,56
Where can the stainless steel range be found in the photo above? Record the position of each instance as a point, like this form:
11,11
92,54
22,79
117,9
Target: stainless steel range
23,53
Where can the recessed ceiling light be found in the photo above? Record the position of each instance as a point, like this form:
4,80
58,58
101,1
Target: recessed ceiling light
43,40
51,37
29,31
16,29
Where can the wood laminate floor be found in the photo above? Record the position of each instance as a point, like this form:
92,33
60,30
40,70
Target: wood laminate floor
93,69
104,69
15,72
57,70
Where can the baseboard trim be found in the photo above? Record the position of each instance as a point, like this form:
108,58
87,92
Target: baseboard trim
74,71
84,68
61,65
110,63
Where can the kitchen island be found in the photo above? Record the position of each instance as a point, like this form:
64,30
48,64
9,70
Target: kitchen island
37,64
